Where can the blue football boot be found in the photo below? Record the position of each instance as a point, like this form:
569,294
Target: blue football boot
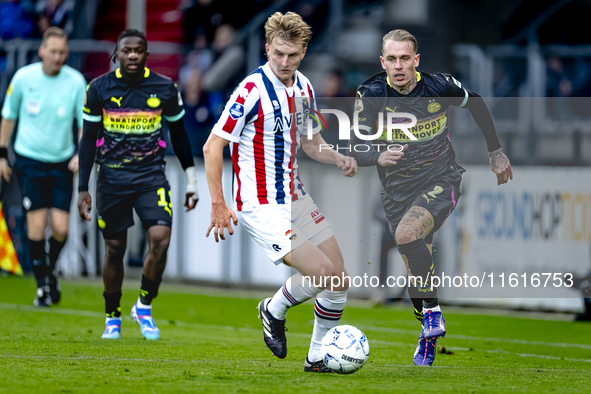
425,352
112,329
433,325
143,317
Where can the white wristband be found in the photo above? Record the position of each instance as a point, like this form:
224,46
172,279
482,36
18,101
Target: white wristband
192,182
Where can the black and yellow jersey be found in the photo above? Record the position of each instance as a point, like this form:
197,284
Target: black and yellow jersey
427,157
131,143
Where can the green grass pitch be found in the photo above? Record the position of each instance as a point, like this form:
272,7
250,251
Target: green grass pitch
212,342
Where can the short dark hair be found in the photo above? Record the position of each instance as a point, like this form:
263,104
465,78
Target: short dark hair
53,31
128,33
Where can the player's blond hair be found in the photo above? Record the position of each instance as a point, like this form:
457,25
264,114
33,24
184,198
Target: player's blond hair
400,35
53,31
289,28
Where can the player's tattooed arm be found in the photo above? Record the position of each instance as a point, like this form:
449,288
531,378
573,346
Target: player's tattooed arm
417,223
500,165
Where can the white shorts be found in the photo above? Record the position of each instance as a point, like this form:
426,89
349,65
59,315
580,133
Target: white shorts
279,229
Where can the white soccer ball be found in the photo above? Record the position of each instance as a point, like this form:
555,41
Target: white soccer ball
344,349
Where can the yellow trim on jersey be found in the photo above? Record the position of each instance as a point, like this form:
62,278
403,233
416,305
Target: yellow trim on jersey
418,79
118,73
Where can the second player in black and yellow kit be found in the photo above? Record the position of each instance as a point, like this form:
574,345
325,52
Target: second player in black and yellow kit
421,183
124,112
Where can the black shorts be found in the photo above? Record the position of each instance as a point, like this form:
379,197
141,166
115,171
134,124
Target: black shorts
115,210
439,197
44,185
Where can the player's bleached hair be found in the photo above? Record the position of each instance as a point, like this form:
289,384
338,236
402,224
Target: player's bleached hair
400,35
53,31
289,28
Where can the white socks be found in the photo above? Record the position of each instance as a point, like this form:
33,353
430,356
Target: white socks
142,306
293,292
327,314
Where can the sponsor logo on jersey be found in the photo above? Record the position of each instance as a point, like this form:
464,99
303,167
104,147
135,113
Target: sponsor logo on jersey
132,122
275,104
433,106
117,100
244,93
317,216
33,107
358,105
236,111
286,121
433,193
425,129
276,247
292,237
153,101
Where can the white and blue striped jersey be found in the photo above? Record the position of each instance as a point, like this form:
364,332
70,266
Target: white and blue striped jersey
264,121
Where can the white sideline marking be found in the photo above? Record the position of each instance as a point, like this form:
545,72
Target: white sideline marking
485,339
163,322
538,356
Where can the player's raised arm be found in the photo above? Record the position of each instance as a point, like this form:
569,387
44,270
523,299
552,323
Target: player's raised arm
213,153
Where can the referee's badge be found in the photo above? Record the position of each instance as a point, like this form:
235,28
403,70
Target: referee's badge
153,101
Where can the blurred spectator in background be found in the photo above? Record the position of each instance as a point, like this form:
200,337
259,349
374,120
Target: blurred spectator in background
202,19
202,110
15,19
329,96
558,82
229,60
332,86
205,16
55,13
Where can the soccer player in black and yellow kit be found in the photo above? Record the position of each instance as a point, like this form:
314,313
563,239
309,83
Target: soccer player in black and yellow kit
420,182
123,113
